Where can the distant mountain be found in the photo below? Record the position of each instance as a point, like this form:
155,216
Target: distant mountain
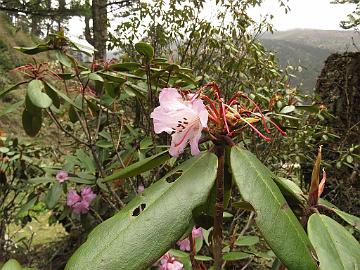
309,48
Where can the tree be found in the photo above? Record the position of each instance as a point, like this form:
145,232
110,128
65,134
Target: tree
354,18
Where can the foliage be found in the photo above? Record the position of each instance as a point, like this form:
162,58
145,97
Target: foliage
107,110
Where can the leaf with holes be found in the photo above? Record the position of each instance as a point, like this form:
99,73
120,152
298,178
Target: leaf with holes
276,221
336,248
151,223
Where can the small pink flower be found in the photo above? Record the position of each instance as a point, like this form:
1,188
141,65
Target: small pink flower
140,189
184,245
197,232
62,176
183,118
80,204
168,262
72,198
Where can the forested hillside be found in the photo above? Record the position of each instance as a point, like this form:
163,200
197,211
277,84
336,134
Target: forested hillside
309,48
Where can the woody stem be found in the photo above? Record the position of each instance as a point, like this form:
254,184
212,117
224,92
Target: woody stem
219,208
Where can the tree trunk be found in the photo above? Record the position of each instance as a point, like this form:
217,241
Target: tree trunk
99,38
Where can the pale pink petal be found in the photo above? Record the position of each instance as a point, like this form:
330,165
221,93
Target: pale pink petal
170,98
322,184
81,207
199,107
184,245
194,142
72,197
87,194
179,141
140,189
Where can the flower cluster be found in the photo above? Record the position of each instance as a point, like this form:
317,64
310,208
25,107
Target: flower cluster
168,262
80,203
184,116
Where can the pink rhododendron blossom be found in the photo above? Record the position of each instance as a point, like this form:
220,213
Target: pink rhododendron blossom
168,262
62,176
183,118
80,204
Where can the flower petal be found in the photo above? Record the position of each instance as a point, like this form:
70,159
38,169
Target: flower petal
194,142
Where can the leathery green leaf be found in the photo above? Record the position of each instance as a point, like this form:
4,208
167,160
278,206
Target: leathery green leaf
36,96
139,167
140,234
274,218
336,248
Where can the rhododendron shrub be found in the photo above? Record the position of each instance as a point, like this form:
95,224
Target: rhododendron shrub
156,184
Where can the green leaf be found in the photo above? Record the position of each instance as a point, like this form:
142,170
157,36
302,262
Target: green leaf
276,221
139,167
128,66
335,247
95,77
288,109
81,180
86,161
53,95
289,189
11,108
308,108
35,49
11,88
247,240
203,258
62,95
12,265
145,49
31,122
352,220
36,96
41,180
63,58
236,256
140,233
53,195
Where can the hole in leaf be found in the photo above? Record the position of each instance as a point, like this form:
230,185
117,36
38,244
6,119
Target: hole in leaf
171,178
139,209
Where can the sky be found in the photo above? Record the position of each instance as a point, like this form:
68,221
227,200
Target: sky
314,14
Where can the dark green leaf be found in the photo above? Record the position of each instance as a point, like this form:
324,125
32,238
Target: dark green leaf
352,220
62,95
276,221
145,49
335,247
139,167
31,122
95,77
129,66
41,180
35,49
140,234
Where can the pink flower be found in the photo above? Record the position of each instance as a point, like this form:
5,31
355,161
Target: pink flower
140,189
184,245
80,204
87,194
197,232
184,119
168,262
62,176
72,198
